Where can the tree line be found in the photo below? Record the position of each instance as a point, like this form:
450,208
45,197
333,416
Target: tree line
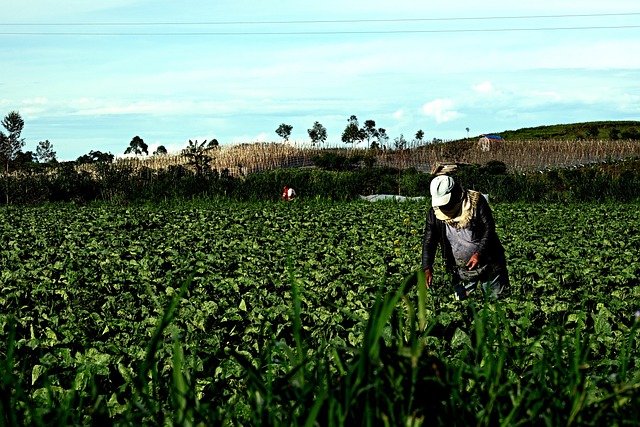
12,156
375,137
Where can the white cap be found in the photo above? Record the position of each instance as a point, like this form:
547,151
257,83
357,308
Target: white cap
441,187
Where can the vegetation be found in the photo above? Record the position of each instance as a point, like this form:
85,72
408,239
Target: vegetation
192,298
317,134
284,131
45,152
312,312
137,146
10,144
607,130
335,177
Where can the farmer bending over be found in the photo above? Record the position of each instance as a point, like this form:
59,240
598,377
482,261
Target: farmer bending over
288,193
461,221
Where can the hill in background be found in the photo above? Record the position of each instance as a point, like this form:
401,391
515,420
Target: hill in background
612,130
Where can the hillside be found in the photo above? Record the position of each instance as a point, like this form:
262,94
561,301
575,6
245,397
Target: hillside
612,130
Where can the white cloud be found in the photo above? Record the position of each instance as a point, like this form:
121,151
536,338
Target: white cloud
32,101
551,96
484,87
441,110
262,137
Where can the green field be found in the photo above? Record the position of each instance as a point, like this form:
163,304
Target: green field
268,313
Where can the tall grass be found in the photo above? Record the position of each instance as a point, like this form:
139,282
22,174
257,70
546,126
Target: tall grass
503,372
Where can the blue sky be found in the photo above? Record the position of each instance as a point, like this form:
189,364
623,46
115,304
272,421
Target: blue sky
92,75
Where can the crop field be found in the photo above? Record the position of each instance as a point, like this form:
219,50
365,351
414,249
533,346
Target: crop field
224,313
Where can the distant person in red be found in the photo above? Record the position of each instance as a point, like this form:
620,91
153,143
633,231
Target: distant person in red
288,193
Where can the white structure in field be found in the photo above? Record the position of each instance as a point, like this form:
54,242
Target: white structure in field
490,142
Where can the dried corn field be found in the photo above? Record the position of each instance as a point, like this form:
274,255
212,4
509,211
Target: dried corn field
518,155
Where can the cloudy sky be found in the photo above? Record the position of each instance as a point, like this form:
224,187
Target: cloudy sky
92,75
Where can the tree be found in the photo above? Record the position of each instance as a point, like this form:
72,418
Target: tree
467,132
137,146
593,131
369,131
197,155
45,153
352,133
630,133
24,158
160,151
317,133
614,134
419,138
213,144
383,139
95,157
11,143
284,131
400,143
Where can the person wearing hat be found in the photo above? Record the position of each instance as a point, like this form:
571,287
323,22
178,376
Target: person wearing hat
461,223
288,193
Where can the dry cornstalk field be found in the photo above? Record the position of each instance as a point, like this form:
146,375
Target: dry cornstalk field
518,155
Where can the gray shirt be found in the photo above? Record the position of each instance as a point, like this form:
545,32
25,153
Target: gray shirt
463,245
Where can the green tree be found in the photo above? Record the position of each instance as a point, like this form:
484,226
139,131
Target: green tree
95,157
352,133
369,131
419,138
160,151
284,131
317,133
197,156
593,131
137,146
213,144
381,139
614,134
11,144
45,153
24,158
400,143
630,133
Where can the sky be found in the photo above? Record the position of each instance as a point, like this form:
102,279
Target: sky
89,75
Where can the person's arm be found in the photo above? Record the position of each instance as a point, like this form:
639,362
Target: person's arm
429,245
485,216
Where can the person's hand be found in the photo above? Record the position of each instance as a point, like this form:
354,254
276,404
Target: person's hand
473,261
429,275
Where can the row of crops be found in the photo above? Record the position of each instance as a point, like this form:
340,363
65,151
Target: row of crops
308,312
